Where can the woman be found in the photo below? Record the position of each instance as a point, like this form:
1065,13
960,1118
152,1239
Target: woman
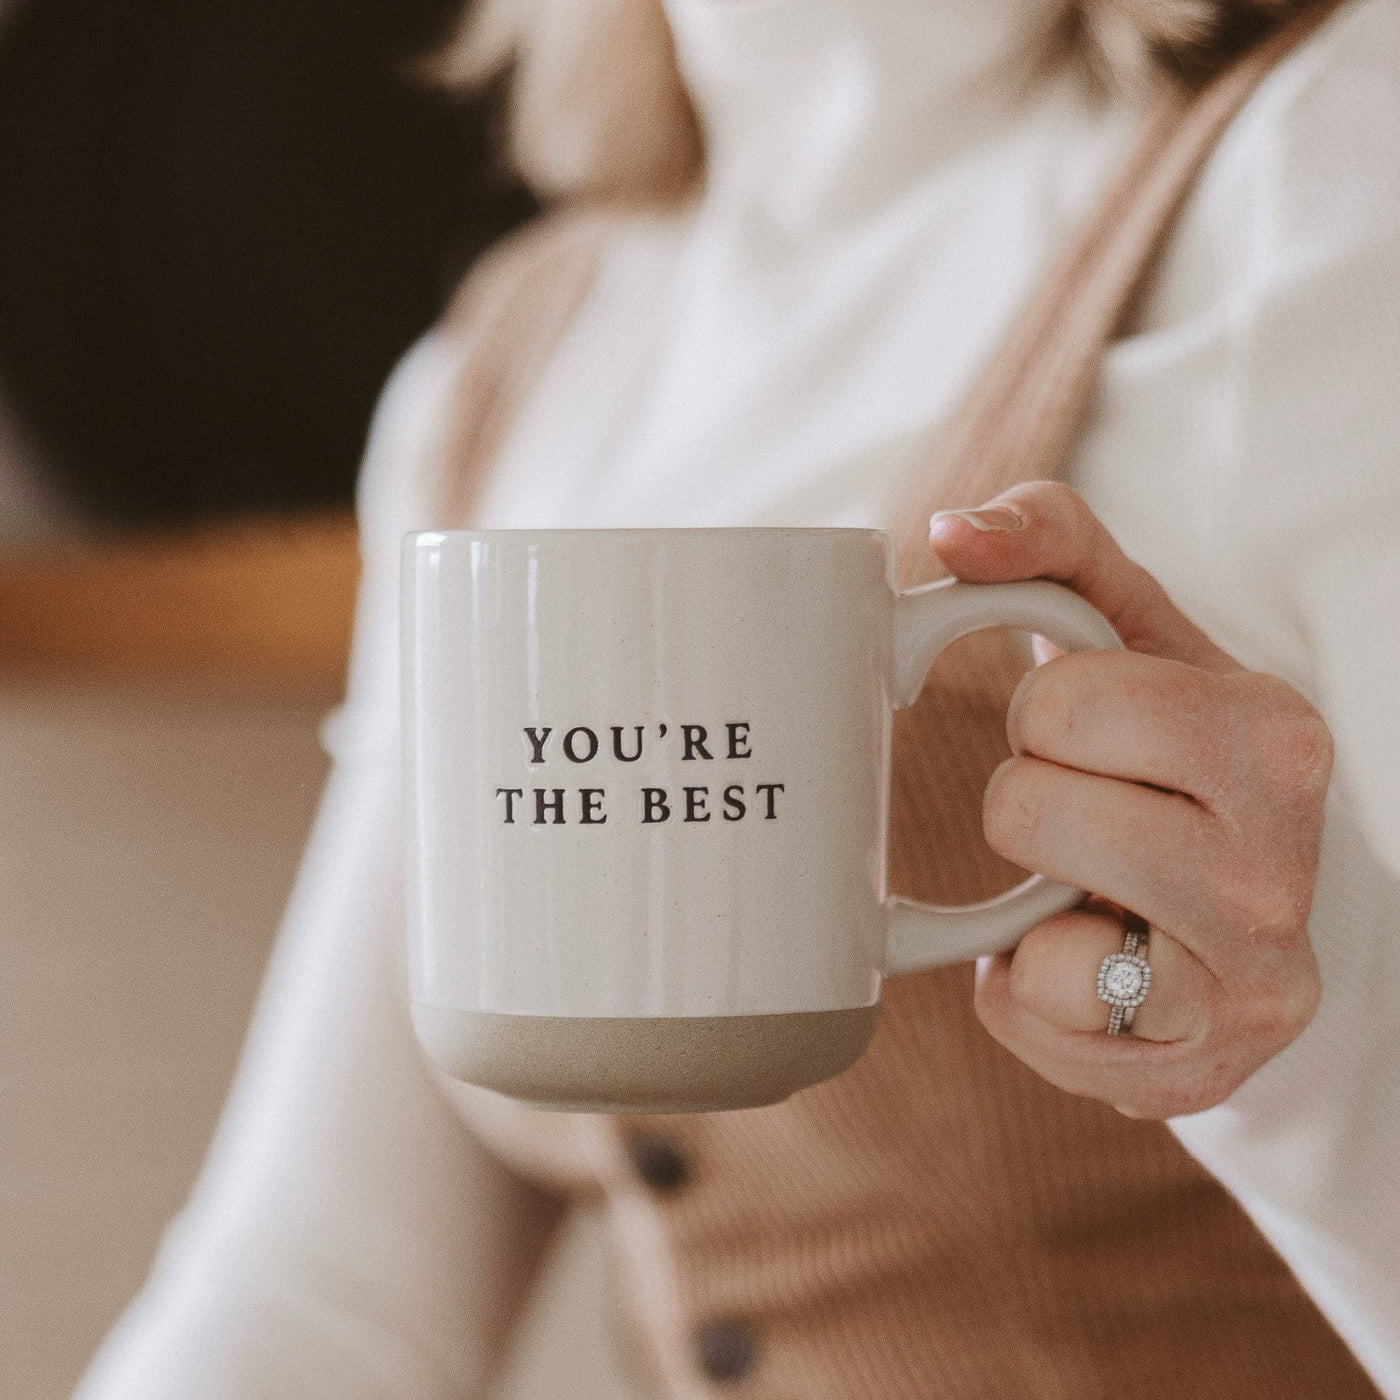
806,240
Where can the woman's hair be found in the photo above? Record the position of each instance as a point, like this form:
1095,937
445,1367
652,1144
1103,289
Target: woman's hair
598,109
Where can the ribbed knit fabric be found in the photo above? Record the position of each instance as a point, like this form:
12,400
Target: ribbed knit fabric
939,1221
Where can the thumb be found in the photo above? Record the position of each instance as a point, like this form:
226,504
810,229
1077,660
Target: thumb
1042,529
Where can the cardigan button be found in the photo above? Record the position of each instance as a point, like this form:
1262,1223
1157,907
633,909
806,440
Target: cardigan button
658,1161
727,1350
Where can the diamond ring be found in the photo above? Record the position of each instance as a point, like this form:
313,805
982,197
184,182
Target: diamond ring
1125,977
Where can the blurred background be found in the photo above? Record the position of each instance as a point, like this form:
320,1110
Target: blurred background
221,222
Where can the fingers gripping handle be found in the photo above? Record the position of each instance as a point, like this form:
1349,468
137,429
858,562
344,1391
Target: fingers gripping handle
927,620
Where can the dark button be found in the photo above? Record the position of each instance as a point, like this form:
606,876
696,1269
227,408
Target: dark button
658,1161
726,1350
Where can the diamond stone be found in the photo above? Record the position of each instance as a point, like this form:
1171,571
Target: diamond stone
1123,980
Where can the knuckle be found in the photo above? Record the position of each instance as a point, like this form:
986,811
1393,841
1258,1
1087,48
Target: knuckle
1065,500
1257,901
1171,1101
1187,1089
1292,739
1233,897
1300,1002
1248,1029
1207,1091
1054,503
1280,1002
1205,1080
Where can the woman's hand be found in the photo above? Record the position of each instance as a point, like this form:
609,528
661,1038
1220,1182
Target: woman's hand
1170,781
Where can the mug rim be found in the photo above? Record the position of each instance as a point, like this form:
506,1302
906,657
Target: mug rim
665,531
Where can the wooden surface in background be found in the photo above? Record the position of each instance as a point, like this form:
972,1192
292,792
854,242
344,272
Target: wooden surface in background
266,604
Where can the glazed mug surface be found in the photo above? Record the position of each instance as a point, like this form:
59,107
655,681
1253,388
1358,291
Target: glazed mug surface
646,779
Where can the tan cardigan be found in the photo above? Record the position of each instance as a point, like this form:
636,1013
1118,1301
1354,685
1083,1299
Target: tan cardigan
938,1221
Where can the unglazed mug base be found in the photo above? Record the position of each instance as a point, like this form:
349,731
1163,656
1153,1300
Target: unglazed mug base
645,1064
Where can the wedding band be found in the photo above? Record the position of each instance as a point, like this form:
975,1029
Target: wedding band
1125,977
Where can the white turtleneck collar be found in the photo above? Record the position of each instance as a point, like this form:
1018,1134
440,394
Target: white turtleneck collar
825,110
882,189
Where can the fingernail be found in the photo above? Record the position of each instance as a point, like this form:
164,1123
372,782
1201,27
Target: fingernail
988,519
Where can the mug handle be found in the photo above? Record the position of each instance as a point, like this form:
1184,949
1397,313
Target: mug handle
926,620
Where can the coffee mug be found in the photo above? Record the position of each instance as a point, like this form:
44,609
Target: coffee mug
646,777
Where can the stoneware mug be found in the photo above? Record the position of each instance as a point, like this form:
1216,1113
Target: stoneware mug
646,776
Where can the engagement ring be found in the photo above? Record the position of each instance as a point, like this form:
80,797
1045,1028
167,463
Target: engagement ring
1125,977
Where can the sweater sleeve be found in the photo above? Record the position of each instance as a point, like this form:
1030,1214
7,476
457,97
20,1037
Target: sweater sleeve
348,1238
1260,400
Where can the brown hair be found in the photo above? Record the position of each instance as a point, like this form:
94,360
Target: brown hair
598,109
